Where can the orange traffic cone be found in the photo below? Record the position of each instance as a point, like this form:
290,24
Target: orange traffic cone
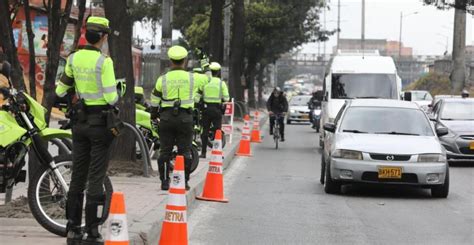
214,185
244,146
175,228
255,137
117,229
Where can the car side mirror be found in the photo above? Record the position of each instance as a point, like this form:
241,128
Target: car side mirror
330,127
432,118
407,96
442,131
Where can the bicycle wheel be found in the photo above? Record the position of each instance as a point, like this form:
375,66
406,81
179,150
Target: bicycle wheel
47,200
276,136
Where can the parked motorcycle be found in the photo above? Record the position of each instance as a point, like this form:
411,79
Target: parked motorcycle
23,127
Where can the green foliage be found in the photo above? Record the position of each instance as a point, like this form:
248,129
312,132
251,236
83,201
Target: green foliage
433,82
144,11
196,33
467,5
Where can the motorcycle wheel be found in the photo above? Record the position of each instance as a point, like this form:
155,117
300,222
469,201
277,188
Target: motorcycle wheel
47,200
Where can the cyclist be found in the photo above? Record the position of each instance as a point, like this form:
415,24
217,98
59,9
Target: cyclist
277,105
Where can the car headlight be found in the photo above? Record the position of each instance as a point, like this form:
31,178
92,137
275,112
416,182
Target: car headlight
292,111
431,158
347,154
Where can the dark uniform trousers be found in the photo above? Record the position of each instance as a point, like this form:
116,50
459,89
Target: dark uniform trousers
211,115
175,130
91,147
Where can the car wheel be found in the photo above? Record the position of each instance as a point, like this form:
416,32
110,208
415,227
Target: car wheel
441,191
330,186
323,165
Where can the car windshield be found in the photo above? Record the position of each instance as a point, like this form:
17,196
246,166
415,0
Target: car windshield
299,100
458,110
385,120
420,95
350,86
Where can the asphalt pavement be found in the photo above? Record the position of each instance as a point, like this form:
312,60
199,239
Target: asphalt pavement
275,198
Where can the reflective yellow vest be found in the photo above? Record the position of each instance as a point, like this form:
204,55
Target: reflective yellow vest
92,75
216,91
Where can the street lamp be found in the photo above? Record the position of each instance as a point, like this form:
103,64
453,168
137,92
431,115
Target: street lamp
401,26
447,41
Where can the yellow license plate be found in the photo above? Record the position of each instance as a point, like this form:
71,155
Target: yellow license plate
471,145
390,173
305,116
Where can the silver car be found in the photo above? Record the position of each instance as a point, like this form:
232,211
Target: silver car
384,142
298,109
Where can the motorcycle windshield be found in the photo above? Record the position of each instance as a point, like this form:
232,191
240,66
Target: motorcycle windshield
9,129
37,111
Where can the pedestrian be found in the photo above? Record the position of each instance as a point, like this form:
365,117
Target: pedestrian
172,101
277,105
214,93
91,74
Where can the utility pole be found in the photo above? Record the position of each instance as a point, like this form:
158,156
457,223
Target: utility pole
458,74
324,44
227,15
400,37
362,40
166,33
338,23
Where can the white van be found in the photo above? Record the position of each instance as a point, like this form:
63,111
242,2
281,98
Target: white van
353,75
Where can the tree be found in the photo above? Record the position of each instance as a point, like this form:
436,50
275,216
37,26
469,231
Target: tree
8,43
120,43
237,50
80,20
216,31
31,49
58,20
458,75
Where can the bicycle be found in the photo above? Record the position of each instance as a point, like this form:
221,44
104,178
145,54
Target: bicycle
276,130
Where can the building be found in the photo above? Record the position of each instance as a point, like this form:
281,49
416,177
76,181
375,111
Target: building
392,48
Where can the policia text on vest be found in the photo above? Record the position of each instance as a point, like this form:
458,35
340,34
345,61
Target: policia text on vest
173,100
91,74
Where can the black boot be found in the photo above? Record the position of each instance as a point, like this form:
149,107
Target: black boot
165,184
203,155
74,218
94,219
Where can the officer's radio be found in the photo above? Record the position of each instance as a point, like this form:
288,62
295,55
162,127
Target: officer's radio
176,106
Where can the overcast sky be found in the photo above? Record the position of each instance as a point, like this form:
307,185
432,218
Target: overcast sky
426,31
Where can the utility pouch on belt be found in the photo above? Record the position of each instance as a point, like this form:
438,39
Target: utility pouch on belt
176,105
114,124
79,111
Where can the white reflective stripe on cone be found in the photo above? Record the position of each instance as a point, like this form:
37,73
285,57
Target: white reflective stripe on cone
176,199
245,137
117,228
177,180
217,158
217,145
176,216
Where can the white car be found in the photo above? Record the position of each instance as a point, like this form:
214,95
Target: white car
384,142
298,110
421,97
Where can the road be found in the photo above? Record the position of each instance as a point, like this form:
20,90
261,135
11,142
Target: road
275,198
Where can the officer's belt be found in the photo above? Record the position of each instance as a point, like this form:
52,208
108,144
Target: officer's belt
188,110
96,109
208,104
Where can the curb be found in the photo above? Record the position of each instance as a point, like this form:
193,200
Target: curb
150,228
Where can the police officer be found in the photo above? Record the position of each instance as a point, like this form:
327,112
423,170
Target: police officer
173,100
91,74
214,93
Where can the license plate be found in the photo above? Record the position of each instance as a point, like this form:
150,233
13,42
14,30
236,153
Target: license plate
305,117
471,145
390,173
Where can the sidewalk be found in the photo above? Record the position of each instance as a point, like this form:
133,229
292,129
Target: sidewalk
144,200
